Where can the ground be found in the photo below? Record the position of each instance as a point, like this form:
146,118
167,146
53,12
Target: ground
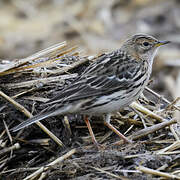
94,27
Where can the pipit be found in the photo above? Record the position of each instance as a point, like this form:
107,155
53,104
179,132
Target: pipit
109,84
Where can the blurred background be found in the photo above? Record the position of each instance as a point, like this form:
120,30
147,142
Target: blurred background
96,27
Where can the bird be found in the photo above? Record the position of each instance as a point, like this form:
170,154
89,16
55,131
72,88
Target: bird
112,82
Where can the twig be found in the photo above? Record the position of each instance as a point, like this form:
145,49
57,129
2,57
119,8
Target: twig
18,170
176,172
1,108
29,115
14,64
173,104
33,98
67,125
110,174
24,92
39,81
161,97
175,145
45,168
127,171
157,173
72,66
146,111
5,150
48,62
140,116
43,175
174,132
135,155
149,130
170,153
128,129
9,135
7,131
108,134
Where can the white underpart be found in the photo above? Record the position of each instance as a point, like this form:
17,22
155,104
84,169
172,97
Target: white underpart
116,105
113,106
151,55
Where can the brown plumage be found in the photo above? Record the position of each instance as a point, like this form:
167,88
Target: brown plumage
109,84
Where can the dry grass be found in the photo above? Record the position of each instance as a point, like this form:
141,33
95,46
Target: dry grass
158,138
60,147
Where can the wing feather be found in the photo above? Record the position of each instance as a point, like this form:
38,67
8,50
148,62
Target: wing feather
111,72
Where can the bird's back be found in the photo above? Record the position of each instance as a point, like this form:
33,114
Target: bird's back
112,82
111,79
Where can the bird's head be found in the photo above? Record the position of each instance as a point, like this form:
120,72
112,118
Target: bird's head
143,47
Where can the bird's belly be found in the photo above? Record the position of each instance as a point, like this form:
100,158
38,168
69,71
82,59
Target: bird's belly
113,102
112,106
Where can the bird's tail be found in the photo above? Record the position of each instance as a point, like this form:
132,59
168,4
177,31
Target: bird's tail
40,117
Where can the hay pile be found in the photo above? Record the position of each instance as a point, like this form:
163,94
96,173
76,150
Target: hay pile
62,147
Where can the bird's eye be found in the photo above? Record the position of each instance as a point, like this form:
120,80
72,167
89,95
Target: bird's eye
145,43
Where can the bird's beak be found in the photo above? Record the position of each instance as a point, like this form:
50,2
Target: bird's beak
160,43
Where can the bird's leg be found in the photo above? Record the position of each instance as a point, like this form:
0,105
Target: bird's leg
90,130
107,123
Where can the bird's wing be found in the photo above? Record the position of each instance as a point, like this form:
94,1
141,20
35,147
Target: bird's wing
111,72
